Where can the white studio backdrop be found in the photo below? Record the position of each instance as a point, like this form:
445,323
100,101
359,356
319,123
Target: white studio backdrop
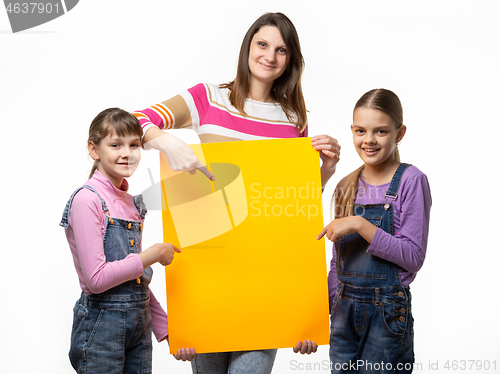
441,58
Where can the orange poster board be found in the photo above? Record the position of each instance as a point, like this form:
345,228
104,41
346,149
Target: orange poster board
251,274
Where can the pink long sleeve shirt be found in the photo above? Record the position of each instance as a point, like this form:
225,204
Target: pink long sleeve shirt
85,233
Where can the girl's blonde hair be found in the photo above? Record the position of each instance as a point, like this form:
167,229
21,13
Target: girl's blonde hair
287,89
345,192
123,122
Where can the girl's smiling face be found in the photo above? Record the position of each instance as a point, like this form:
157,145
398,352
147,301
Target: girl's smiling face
375,136
267,58
118,156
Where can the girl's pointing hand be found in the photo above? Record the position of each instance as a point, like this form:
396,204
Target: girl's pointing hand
338,228
346,226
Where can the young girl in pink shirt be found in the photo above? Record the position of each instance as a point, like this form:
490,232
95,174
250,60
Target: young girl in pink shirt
116,312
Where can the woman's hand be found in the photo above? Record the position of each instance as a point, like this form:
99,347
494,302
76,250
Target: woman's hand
329,150
346,226
305,347
185,354
180,156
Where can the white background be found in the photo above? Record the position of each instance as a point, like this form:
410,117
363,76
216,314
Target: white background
441,58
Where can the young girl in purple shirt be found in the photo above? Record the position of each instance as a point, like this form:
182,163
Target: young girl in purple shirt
380,235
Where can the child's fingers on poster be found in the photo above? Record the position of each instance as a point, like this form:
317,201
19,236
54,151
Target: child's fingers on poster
193,353
298,347
308,347
186,354
322,233
333,236
305,347
166,253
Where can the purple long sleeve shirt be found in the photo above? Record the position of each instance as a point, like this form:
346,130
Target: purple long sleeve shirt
408,246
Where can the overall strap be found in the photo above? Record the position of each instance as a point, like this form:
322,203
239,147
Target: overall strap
64,221
392,192
141,207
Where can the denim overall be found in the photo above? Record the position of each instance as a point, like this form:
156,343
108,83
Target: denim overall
371,321
112,330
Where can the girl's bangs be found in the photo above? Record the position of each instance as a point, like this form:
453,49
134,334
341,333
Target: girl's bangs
124,124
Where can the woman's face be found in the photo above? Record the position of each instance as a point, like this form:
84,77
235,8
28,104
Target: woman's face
267,58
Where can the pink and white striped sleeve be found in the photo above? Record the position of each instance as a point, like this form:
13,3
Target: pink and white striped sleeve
158,115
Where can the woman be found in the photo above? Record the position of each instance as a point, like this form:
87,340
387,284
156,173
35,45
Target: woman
264,101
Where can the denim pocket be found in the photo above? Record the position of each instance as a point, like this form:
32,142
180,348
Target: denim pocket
333,311
80,312
80,309
93,322
394,317
360,315
376,221
78,336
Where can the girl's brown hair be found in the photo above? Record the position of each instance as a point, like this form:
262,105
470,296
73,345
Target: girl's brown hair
345,192
118,119
287,89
